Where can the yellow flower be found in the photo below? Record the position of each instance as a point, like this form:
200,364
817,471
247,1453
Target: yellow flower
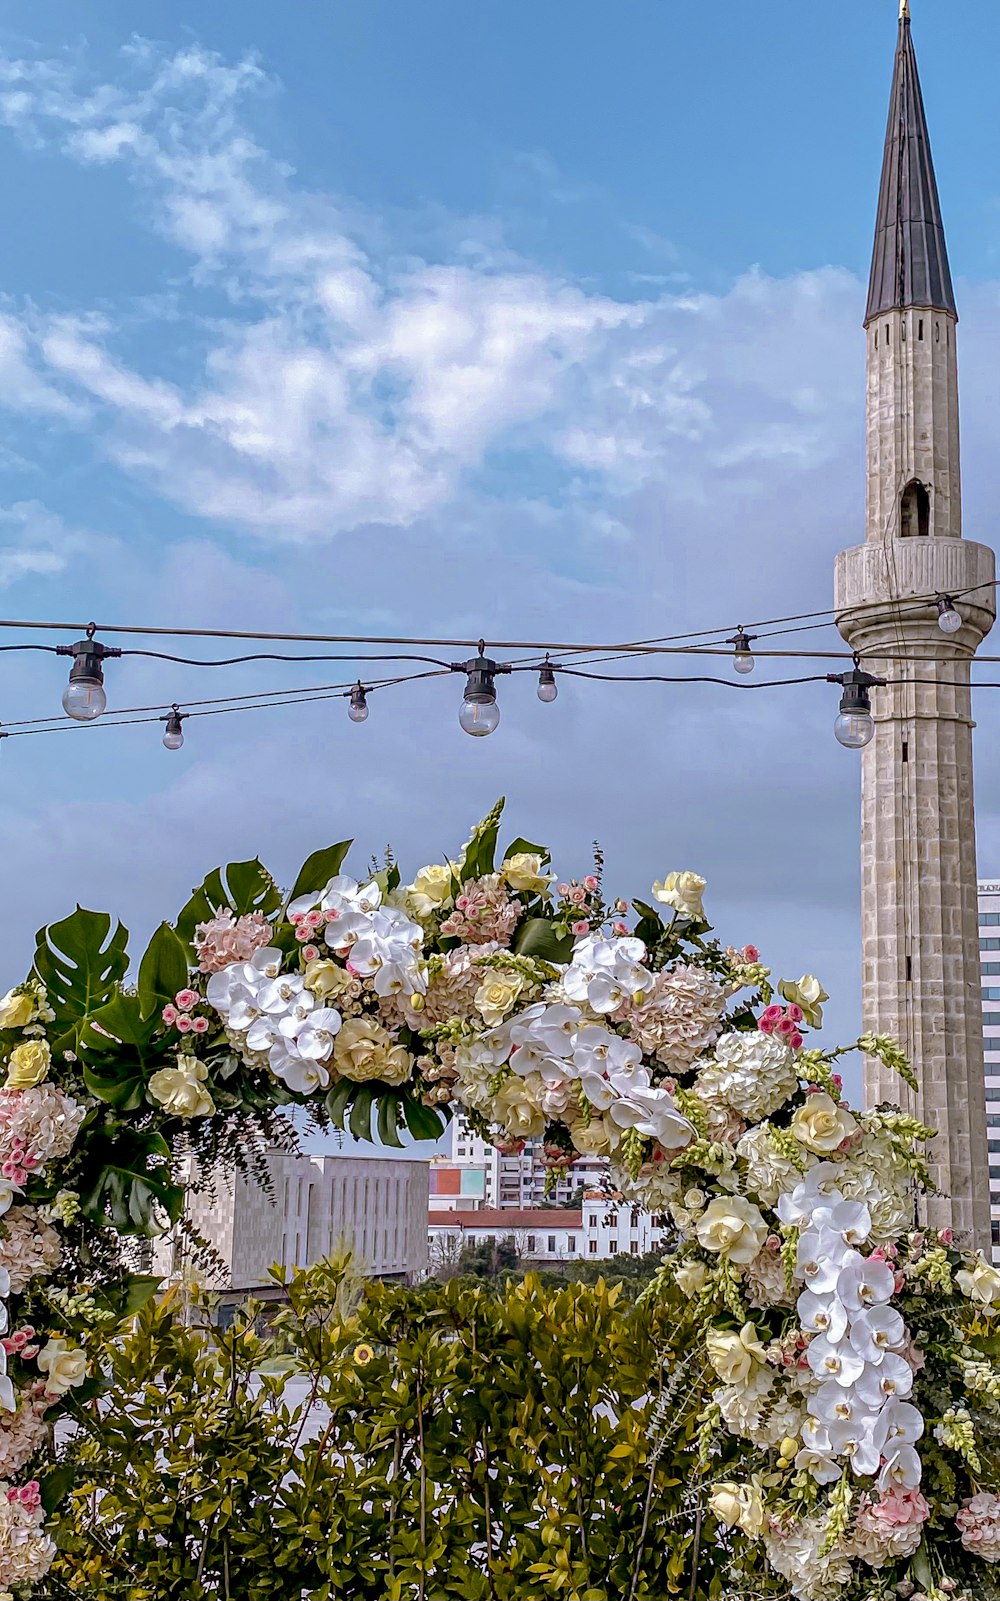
64,1368
180,1090
29,1065
364,1050
808,994
821,1125
732,1226
682,892
363,1354
519,1115
523,871
16,1011
739,1506
735,1356
326,979
430,890
496,996
980,1282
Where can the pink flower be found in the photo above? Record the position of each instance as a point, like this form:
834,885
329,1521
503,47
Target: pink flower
765,1027
169,1015
784,1026
621,928
578,895
795,1041
311,953
836,1081
582,927
200,1025
590,883
795,1013
563,890
947,1236
751,953
185,999
184,1023
771,1014
302,933
225,939
315,919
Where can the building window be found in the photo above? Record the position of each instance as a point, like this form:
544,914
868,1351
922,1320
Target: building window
991,1019
995,1229
612,1220
571,1244
988,944
991,993
990,969
993,1145
989,920
593,1223
592,1247
532,1246
552,1238
920,328
613,1246
634,1247
915,510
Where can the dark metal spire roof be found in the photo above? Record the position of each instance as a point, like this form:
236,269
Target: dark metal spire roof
910,264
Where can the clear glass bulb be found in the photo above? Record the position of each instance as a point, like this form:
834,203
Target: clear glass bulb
479,717
84,699
743,661
173,739
358,709
854,729
548,689
950,620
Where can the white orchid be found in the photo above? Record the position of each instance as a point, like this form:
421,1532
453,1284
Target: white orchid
313,1036
834,1403
877,1332
891,1379
302,1076
835,1359
902,1470
822,1314
605,973
820,1257
652,1112
854,1440
864,1283
818,1465
898,1424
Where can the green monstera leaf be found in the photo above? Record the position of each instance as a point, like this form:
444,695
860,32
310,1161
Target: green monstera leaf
242,887
116,1049
163,970
80,961
318,869
127,1179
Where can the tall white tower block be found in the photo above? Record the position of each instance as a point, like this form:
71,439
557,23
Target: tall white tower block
919,917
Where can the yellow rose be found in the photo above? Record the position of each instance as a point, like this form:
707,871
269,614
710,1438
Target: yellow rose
682,892
16,1011
980,1282
732,1226
735,1356
523,871
64,1368
691,1278
181,1090
739,1506
496,995
326,979
520,1116
595,1138
29,1065
431,889
364,1050
821,1125
808,994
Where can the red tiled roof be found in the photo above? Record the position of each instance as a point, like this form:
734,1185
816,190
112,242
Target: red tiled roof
508,1218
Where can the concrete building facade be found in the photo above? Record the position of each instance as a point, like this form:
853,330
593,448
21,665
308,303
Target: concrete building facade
919,931
602,1228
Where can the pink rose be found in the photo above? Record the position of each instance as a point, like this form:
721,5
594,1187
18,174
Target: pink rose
169,1015
184,1023
590,883
795,1041
582,927
751,953
185,999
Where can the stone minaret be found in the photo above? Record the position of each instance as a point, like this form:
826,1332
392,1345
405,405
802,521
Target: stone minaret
919,915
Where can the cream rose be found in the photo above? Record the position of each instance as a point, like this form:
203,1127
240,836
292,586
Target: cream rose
595,1138
430,890
16,1011
519,1114
29,1065
64,1367
682,892
980,1282
364,1050
732,1226
523,871
808,994
181,1090
735,1356
496,996
821,1125
739,1506
691,1278
326,979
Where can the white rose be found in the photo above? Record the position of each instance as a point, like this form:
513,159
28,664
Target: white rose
735,1356
596,1138
980,1282
64,1368
523,871
821,1125
181,1090
520,1115
808,994
739,1506
431,888
691,1278
732,1226
496,996
682,892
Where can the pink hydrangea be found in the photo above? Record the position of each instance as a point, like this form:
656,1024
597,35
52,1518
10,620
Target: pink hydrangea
978,1523
23,1433
37,1125
225,939
889,1530
484,912
678,1017
29,1248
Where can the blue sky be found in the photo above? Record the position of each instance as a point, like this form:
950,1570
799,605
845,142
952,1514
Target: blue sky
432,317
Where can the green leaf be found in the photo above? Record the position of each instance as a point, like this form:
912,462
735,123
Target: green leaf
243,887
360,1117
80,961
57,1483
479,854
318,870
537,937
423,1122
388,1115
128,1175
651,926
128,1296
337,1099
116,1049
163,970
524,847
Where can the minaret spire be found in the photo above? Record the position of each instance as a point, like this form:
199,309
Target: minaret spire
910,260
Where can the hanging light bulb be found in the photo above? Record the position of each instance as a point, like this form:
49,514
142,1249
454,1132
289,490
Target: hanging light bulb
479,714
84,698
173,737
949,619
742,657
855,726
548,689
358,709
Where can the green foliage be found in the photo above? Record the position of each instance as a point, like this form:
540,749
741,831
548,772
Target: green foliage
537,936
80,962
243,887
318,869
461,1445
163,970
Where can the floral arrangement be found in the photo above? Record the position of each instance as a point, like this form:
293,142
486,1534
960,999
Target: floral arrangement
849,1381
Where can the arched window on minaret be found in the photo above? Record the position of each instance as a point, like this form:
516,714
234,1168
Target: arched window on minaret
915,510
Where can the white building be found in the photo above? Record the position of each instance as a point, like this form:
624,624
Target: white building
989,976
516,1181
602,1228
376,1207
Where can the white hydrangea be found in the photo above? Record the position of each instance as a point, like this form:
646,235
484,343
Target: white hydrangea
769,1174
752,1073
796,1556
